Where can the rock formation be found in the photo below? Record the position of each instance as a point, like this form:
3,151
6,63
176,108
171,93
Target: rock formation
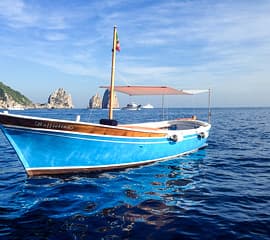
106,100
11,99
60,99
95,101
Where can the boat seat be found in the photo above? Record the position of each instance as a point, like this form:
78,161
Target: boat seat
110,122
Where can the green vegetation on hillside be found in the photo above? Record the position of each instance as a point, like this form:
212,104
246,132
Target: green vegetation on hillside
15,95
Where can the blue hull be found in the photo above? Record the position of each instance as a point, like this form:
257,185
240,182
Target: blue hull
50,151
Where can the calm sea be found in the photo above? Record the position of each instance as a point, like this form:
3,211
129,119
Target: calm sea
221,192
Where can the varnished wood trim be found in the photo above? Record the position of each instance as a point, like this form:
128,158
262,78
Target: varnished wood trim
68,126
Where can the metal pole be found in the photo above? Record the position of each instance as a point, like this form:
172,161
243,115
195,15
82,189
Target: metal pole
209,105
163,113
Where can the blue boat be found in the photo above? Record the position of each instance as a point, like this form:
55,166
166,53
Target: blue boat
48,146
52,146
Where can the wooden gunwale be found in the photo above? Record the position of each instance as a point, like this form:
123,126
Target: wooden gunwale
79,127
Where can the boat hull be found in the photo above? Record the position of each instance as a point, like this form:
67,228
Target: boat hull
50,151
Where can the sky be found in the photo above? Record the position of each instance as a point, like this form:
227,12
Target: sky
196,44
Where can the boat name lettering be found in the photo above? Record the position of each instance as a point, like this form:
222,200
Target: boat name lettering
53,125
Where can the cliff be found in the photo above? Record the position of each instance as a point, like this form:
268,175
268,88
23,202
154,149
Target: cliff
95,101
60,99
106,100
10,98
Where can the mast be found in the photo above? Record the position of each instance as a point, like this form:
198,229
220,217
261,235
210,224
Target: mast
112,74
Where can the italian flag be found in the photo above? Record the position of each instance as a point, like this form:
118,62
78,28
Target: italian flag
117,47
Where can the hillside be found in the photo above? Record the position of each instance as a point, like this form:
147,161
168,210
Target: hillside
12,98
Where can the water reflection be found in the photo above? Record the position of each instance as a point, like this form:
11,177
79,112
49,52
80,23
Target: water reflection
217,193
113,202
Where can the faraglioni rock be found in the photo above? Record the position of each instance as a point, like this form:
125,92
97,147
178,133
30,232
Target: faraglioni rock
95,101
11,99
106,100
60,99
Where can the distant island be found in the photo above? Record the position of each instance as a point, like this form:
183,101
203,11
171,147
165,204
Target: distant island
12,99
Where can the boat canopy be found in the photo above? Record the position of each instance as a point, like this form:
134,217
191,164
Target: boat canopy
197,91
153,90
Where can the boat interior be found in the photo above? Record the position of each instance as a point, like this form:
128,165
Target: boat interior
179,124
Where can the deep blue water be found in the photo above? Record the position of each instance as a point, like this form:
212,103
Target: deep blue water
221,192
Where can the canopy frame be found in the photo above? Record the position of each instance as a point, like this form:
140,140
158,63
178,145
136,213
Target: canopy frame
148,90
160,90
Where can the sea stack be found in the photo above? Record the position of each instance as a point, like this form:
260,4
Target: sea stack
95,101
106,100
60,99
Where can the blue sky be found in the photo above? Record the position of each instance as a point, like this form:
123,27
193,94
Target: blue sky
222,45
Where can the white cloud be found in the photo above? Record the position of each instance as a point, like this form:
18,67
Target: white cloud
17,14
53,36
56,22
